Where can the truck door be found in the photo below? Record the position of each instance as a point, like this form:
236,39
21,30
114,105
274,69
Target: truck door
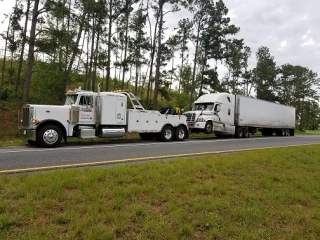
86,110
229,116
121,111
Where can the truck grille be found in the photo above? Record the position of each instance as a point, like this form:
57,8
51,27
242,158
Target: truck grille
25,118
191,117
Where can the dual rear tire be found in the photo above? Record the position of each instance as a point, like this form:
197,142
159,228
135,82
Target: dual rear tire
167,134
242,132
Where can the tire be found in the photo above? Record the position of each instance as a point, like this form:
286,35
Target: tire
167,134
239,133
287,132
180,133
246,133
208,128
291,132
146,136
49,136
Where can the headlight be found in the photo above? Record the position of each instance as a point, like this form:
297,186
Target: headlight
35,121
200,119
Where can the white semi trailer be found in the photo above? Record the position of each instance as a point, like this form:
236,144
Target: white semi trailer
234,115
87,114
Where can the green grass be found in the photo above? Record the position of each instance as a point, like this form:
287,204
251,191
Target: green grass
264,194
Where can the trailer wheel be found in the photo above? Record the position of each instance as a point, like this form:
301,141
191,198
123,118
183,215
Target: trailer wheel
167,134
291,132
146,136
287,132
49,136
246,132
181,133
208,128
239,133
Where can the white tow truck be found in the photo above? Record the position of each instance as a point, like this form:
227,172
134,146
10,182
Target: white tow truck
88,114
233,115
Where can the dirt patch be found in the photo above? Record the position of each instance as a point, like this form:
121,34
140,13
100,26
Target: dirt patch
8,123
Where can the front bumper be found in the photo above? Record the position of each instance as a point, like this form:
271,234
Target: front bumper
30,134
197,125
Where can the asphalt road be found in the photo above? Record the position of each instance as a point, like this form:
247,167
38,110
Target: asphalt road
29,158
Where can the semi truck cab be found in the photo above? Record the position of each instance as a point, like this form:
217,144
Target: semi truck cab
212,113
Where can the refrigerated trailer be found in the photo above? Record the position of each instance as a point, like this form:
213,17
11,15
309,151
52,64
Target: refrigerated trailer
234,115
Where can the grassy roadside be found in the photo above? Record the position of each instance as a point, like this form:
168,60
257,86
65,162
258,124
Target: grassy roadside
263,194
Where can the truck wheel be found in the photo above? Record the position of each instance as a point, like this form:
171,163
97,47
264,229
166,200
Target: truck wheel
239,133
287,132
291,132
167,134
180,133
146,136
246,132
208,128
49,136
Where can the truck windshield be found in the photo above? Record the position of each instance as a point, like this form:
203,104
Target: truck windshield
71,99
203,107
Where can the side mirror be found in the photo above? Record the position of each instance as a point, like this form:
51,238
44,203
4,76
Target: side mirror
218,108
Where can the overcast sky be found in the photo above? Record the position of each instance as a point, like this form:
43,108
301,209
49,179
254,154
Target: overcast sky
289,28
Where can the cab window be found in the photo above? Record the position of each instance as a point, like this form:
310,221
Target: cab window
85,100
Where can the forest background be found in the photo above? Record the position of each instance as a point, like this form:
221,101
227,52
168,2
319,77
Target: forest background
54,45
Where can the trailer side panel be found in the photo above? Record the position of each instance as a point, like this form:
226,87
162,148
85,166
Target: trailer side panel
262,114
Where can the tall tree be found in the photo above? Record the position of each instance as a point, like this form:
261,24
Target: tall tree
185,28
140,43
297,88
161,13
264,75
200,16
247,74
115,9
32,39
234,62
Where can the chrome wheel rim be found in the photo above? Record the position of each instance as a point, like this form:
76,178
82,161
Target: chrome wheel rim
50,136
168,134
181,134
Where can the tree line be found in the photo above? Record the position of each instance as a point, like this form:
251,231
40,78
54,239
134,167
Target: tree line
53,45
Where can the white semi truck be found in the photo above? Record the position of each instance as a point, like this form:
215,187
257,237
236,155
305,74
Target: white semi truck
87,114
234,115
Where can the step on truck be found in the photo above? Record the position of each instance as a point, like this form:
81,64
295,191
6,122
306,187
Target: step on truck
238,116
88,114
